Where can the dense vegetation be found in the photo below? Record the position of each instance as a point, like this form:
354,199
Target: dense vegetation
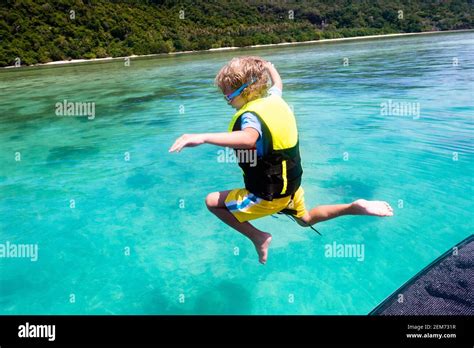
39,31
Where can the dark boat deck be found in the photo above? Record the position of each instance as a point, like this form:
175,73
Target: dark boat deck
445,287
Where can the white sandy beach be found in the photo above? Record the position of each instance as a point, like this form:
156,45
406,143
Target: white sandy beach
323,41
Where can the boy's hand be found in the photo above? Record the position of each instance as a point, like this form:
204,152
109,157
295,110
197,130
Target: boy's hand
187,140
275,76
268,65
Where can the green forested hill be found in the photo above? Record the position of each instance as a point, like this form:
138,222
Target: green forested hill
39,31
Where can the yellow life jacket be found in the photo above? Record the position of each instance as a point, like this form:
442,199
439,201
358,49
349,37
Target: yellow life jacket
278,172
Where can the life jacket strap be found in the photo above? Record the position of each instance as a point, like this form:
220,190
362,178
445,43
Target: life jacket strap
291,213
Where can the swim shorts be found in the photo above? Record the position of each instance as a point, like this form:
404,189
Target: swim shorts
245,206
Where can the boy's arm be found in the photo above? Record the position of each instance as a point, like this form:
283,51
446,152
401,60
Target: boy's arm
244,139
275,76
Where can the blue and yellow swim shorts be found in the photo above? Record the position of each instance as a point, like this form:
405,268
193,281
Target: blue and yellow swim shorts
245,206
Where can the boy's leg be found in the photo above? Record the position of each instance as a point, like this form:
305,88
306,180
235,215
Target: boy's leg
215,202
358,207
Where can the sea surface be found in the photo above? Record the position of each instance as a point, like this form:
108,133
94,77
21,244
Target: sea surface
121,225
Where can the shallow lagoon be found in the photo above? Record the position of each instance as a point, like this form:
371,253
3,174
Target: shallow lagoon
121,224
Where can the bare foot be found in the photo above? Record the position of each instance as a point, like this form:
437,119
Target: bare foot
261,245
376,208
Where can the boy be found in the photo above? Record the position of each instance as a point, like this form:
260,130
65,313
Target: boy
264,123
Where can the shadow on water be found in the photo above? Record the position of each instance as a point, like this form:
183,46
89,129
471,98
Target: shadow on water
141,180
160,305
62,154
226,298
162,92
349,189
26,127
160,122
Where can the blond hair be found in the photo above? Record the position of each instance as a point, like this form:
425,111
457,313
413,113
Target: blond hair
242,70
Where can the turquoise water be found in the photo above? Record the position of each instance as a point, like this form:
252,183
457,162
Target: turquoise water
183,260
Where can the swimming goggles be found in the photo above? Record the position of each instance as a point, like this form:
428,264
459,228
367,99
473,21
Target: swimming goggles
237,92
